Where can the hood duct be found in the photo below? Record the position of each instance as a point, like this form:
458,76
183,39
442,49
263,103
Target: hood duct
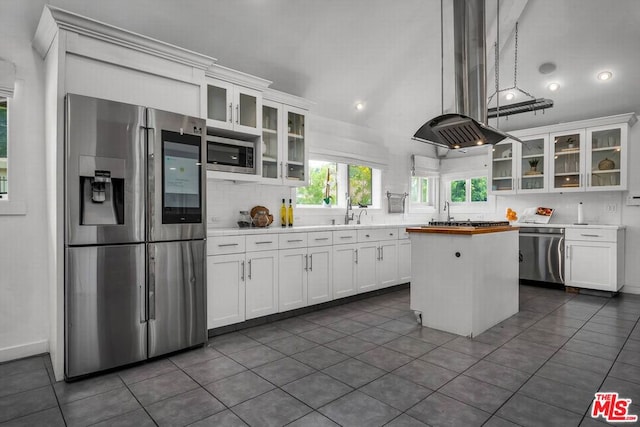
466,128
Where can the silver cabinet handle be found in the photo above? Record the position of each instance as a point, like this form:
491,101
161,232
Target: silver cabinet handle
227,244
381,253
295,241
242,274
356,251
238,113
346,237
306,263
281,170
590,235
390,234
366,235
560,266
249,275
311,262
285,173
264,242
321,238
230,112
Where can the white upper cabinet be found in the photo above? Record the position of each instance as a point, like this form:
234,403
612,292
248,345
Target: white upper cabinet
567,166
606,157
233,108
590,155
284,140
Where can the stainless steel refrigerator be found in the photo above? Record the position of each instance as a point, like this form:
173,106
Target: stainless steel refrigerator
135,278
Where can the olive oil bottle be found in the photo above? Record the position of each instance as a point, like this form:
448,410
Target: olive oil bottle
290,214
283,214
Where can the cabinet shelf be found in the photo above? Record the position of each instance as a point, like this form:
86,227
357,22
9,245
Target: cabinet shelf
502,178
533,156
292,163
269,131
269,159
503,159
295,136
567,152
567,173
613,148
598,171
533,176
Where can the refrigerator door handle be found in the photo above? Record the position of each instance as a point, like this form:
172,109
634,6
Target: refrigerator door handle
143,304
152,283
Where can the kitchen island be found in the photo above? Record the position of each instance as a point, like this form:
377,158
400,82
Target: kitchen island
464,278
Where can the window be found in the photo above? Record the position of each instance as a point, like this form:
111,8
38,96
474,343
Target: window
471,190
332,181
423,196
4,187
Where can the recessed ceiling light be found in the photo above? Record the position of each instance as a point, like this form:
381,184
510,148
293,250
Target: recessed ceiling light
456,146
479,142
605,75
359,106
509,96
553,86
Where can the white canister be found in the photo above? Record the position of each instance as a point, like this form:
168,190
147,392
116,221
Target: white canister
580,214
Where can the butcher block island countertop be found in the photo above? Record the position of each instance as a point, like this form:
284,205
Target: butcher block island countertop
464,278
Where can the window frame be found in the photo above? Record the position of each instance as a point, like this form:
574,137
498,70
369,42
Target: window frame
433,192
342,185
6,101
467,207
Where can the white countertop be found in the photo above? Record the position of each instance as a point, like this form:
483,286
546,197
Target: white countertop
551,225
212,232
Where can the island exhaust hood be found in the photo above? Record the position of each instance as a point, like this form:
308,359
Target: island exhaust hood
466,128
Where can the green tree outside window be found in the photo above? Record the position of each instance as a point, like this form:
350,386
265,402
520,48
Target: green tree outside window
479,189
459,191
360,185
313,193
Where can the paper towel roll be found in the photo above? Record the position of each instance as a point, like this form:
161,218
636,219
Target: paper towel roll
580,214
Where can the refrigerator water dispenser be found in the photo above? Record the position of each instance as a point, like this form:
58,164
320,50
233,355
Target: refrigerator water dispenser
101,190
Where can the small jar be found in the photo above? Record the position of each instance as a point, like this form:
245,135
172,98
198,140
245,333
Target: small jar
244,220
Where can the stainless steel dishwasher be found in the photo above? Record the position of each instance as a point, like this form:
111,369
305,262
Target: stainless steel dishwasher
542,254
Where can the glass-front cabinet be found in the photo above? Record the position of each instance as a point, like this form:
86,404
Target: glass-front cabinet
606,158
296,153
567,165
232,107
271,131
284,144
503,168
532,165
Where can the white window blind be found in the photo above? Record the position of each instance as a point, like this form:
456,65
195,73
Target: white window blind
7,78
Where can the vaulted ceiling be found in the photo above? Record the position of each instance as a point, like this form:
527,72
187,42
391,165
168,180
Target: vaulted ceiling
386,53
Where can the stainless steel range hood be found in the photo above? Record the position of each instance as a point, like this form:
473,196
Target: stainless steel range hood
466,128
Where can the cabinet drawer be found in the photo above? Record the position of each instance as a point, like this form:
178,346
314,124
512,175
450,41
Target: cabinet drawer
344,236
320,238
262,242
591,234
388,234
225,245
368,235
292,240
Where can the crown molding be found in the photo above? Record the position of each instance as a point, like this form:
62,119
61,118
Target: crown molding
54,19
285,98
217,71
629,118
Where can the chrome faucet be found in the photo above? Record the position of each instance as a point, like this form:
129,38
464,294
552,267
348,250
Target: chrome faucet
348,217
447,209
360,214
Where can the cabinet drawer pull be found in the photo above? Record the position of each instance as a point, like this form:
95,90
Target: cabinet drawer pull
321,238
346,237
590,235
294,241
264,243
227,244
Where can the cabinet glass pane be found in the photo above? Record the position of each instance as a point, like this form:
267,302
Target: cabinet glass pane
270,127
295,146
502,176
605,158
248,110
217,107
532,164
566,161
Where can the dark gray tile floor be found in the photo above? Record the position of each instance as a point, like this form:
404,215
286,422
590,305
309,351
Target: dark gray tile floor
366,363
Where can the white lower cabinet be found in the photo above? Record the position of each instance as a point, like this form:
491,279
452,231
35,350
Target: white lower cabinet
293,264
320,275
225,290
404,260
252,276
344,270
594,258
261,283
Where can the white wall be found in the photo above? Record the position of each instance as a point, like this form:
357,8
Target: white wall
596,205
24,281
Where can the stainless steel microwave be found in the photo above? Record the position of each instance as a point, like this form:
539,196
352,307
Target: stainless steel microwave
231,155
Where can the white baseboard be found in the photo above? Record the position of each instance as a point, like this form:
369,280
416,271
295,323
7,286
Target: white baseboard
24,350
628,289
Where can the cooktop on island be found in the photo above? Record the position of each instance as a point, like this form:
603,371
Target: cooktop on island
468,223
